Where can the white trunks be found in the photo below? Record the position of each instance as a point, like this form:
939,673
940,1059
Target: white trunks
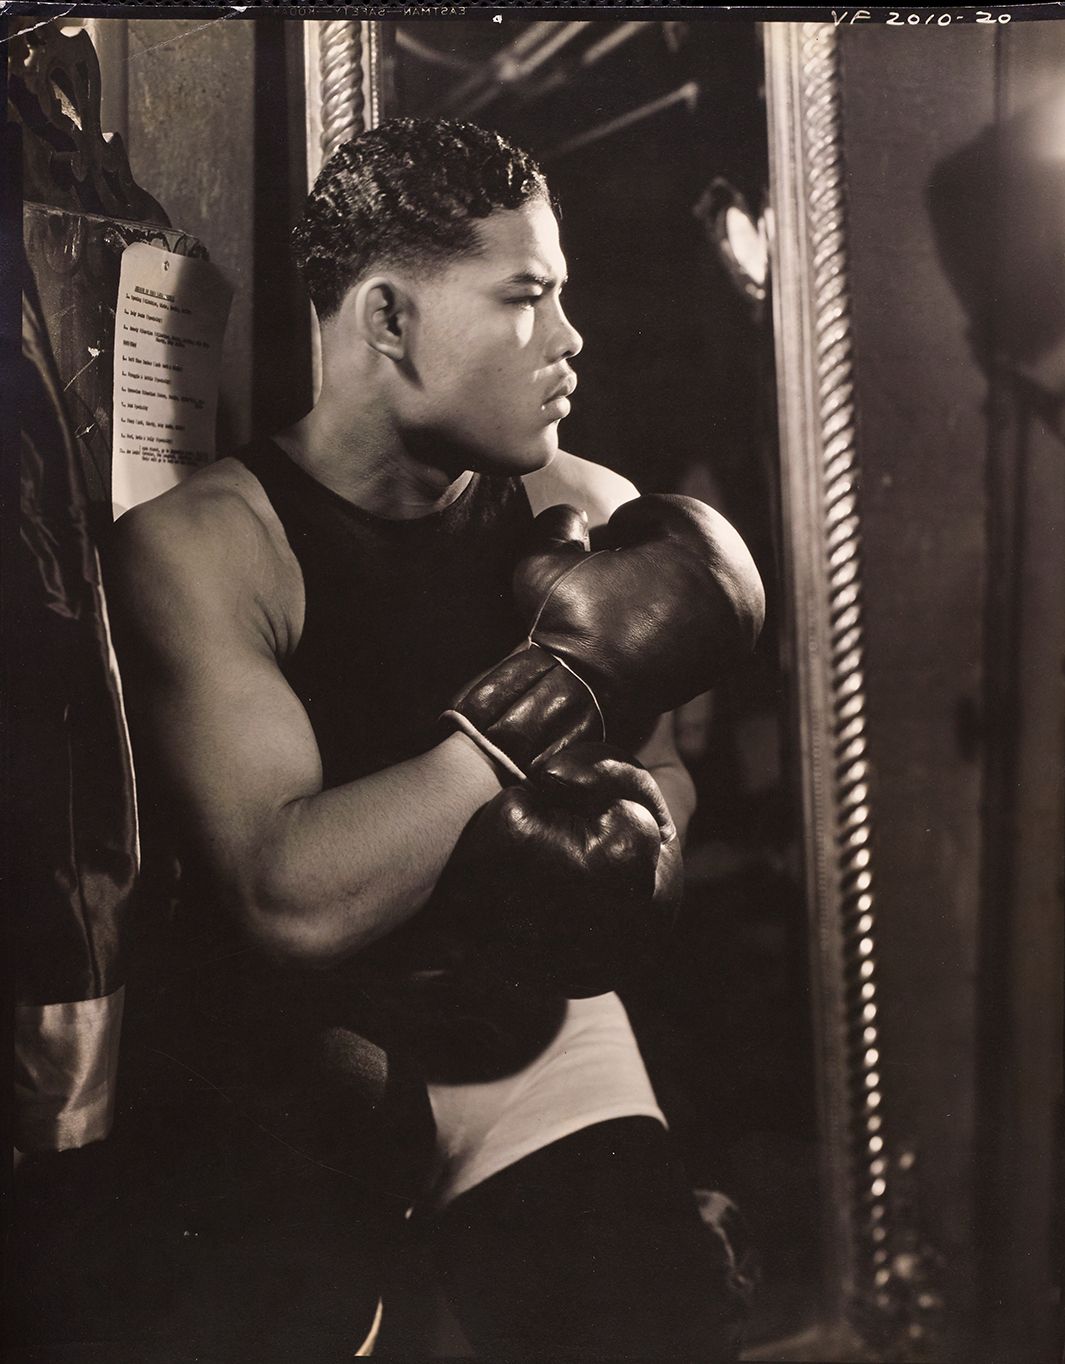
591,1072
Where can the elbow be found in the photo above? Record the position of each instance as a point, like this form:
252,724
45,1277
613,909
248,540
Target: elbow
289,939
299,902
299,930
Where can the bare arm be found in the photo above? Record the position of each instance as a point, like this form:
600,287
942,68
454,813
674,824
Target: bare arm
659,755
313,874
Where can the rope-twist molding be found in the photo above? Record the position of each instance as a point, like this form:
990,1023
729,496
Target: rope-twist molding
340,54
869,1171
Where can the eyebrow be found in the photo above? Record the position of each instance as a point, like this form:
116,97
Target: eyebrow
531,277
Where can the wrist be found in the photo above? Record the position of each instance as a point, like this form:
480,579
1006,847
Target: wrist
466,761
528,706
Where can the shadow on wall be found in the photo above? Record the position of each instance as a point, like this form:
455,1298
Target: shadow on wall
998,212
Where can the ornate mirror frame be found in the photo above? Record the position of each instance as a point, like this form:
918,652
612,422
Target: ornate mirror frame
344,81
822,539
871,1262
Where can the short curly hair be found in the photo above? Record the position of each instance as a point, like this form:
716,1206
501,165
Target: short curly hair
408,192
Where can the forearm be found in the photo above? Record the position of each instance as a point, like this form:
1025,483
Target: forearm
659,755
337,869
678,790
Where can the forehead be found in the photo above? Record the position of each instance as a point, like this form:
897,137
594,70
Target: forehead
519,240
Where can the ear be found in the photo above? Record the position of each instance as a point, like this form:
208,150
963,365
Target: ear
379,311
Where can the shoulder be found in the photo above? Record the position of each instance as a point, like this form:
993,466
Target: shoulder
215,500
582,484
212,545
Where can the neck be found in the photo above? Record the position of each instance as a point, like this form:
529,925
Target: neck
359,456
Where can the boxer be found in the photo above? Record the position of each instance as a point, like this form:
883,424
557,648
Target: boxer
370,687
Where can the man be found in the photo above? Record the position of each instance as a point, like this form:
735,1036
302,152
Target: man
294,622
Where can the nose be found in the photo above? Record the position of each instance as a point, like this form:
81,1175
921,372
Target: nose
569,341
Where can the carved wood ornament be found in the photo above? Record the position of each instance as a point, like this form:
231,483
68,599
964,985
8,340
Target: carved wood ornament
878,1271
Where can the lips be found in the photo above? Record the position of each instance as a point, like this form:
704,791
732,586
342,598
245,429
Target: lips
564,390
556,405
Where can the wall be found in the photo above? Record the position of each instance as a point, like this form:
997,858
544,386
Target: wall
922,439
1023,922
214,131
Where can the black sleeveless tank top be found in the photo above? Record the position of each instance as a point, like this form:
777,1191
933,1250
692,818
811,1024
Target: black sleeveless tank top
399,614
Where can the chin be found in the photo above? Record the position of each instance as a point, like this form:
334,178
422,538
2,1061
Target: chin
541,459
526,460
545,450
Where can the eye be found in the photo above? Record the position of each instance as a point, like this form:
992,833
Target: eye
525,300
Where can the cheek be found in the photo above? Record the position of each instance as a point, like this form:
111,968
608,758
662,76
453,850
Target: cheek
484,370
525,327
498,367
505,339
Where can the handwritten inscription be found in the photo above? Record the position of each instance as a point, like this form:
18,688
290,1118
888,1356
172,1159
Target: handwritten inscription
896,18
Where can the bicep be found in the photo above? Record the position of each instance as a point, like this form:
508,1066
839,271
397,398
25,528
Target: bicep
219,736
233,746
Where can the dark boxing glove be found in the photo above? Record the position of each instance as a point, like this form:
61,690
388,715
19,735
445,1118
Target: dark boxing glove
567,883
530,705
562,886
668,601
662,606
